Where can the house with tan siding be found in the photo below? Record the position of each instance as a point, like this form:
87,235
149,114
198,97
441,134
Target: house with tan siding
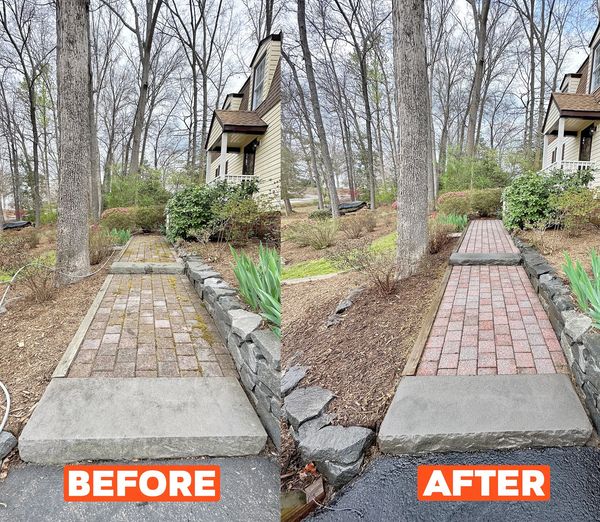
571,137
244,138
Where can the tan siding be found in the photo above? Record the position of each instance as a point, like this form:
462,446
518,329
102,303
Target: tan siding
553,116
268,156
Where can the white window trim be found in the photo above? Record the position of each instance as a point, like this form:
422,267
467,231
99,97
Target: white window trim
595,68
262,62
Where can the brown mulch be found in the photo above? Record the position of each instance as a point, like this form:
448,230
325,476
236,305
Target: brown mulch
361,359
553,243
292,253
33,338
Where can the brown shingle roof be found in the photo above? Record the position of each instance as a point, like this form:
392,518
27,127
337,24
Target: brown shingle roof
237,120
576,102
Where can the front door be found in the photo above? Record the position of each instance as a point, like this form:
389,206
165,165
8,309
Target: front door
585,146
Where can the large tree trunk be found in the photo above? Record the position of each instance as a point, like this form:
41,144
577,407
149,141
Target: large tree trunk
95,183
314,98
414,145
72,248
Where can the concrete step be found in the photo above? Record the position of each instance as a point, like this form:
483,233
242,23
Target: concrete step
477,259
123,267
141,418
450,413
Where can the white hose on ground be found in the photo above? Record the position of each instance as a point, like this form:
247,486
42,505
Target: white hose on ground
7,395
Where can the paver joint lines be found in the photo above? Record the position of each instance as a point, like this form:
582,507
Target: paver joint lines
149,326
486,236
490,320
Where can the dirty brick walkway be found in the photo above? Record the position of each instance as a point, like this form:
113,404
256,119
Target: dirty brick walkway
490,320
151,325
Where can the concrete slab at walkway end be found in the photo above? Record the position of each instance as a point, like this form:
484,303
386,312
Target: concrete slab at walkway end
488,259
469,413
142,418
122,267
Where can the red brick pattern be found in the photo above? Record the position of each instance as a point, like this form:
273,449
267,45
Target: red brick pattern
486,236
148,248
151,326
491,321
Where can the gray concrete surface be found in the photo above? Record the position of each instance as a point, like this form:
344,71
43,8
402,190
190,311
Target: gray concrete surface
386,491
124,267
249,491
124,419
497,259
483,412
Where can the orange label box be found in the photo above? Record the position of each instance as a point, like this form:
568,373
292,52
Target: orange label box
160,483
483,483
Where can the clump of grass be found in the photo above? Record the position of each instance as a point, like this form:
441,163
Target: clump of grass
260,283
585,288
314,267
459,222
316,234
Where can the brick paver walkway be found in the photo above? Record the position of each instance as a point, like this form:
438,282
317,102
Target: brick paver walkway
151,325
490,321
148,248
485,236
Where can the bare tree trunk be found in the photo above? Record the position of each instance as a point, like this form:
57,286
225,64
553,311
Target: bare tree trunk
95,185
414,145
72,247
480,15
314,97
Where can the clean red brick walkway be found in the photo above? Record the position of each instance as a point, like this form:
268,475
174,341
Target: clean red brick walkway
491,321
485,236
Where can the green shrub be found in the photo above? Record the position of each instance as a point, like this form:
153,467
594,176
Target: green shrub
318,235
463,172
458,222
136,191
585,289
194,207
149,219
575,208
260,283
319,214
121,218
486,202
529,198
454,203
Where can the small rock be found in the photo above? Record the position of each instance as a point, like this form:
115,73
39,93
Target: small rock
336,443
306,403
577,326
339,475
7,443
291,378
332,320
342,306
21,344
313,425
243,323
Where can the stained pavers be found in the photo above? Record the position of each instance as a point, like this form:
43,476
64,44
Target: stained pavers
491,321
151,326
148,248
487,236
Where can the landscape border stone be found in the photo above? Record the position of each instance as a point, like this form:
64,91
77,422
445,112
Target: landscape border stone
579,340
255,349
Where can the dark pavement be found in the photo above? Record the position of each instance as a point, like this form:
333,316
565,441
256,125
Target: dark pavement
386,491
249,491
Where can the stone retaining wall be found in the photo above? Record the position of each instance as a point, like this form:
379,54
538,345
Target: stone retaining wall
256,350
579,341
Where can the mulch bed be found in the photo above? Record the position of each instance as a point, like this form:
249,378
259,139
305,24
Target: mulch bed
32,341
361,359
553,243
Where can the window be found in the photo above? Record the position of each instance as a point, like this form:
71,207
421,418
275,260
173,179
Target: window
249,158
218,171
259,82
595,69
554,156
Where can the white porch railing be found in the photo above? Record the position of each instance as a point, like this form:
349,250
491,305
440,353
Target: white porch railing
233,180
572,166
